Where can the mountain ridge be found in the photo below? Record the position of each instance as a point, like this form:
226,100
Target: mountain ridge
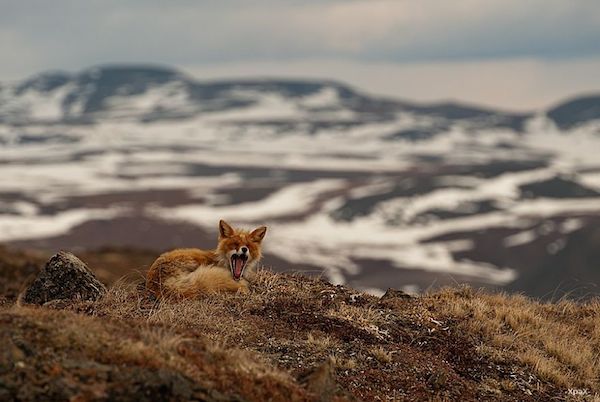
88,95
441,193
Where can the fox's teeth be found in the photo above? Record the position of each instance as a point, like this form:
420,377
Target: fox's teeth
238,264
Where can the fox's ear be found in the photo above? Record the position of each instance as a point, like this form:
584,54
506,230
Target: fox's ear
258,234
224,229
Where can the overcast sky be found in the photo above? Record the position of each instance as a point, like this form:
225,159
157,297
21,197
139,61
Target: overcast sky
513,54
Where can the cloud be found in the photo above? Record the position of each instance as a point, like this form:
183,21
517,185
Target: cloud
72,32
461,29
37,35
510,84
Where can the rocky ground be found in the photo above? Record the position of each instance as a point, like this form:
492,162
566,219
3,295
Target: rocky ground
292,338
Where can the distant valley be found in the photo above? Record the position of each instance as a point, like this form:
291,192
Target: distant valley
372,192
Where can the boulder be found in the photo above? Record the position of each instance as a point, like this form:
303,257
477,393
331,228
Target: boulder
64,278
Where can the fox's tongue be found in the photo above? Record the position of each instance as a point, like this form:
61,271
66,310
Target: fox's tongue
237,268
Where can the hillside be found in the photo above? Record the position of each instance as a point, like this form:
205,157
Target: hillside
384,192
292,338
152,93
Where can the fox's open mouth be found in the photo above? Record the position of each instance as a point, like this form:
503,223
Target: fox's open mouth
238,263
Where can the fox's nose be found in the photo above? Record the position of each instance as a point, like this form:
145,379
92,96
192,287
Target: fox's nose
244,250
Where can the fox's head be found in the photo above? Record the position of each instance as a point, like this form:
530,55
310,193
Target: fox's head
238,249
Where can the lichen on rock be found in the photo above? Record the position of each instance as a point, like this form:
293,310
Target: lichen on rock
64,277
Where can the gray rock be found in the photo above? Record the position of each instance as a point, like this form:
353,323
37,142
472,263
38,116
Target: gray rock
65,277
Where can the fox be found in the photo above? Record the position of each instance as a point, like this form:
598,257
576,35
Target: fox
191,272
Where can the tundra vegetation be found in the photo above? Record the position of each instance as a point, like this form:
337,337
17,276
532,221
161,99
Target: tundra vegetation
293,338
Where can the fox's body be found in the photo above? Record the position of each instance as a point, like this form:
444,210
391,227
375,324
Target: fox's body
187,273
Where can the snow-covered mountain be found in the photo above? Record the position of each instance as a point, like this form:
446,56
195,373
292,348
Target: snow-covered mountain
149,94
377,192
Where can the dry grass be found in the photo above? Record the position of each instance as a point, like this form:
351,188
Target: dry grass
455,344
382,355
369,320
212,365
359,316
321,342
343,363
560,341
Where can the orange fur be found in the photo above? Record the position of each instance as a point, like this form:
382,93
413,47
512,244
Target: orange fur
187,273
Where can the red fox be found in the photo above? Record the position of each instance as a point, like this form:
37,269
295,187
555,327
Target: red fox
189,272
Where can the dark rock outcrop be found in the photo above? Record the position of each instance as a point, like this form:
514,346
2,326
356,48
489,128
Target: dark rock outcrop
65,277
575,112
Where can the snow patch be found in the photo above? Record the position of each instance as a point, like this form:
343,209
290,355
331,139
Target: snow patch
520,238
327,97
14,227
295,199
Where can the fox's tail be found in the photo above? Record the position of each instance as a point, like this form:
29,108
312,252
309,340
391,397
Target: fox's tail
205,279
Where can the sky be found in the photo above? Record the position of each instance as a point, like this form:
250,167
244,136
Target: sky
515,55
